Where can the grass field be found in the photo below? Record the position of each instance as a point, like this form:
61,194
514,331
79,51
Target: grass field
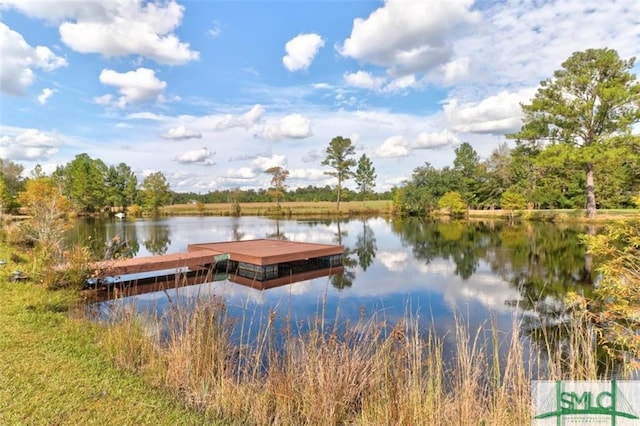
382,208
287,209
53,371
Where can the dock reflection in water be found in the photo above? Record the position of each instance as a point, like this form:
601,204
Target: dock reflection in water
138,284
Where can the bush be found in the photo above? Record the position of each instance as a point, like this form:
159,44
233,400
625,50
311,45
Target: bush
134,210
453,202
615,308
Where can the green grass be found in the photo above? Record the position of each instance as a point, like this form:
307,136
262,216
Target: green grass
306,209
53,372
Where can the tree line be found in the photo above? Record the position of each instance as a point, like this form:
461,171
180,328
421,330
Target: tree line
91,186
88,184
576,142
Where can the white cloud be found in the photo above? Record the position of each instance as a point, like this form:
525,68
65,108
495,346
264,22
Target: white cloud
496,114
180,133
104,99
116,28
243,173
262,163
524,42
301,50
45,95
29,145
426,140
314,175
143,115
408,36
19,60
363,80
312,156
401,84
134,86
456,70
196,156
395,146
322,86
246,120
394,261
215,30
293,126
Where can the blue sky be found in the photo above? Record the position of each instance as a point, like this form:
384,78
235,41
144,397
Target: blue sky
212,93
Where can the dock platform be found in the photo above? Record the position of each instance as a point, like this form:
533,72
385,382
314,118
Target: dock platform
260,260
260,264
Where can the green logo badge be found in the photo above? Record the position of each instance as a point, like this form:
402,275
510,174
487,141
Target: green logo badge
586,402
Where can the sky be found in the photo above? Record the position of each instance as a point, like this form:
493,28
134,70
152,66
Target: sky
213,93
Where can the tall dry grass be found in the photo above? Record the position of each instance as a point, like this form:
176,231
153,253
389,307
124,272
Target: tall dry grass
365,373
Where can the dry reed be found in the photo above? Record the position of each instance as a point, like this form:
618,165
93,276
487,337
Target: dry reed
364,373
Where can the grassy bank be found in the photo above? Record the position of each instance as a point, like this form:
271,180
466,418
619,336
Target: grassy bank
557,215
318,209
53,372
327,209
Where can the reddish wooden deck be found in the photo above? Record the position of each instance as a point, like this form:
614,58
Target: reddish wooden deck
256,252
268,252
195,260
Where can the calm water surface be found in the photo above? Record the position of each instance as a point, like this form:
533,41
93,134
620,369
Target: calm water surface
431,271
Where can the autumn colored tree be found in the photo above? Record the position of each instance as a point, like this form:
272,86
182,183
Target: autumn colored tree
278,177
452,202
615,308
47,208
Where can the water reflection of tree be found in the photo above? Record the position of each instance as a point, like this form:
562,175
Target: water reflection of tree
366,246
348,261
277,234
545,262
236,235
158,239
99,234
462,243
542,261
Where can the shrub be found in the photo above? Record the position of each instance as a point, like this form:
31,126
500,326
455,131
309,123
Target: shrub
453,202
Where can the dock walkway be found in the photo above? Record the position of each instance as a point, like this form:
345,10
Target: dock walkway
254,255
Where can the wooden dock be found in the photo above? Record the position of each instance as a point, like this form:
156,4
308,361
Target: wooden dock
253,260
268,252
258,255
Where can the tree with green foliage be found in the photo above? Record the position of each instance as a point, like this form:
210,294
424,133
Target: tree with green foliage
365,176
466,164
453,203
84,182
496,177
594,97
278,177
339,158
155,193
512,200
11,174
426,187
121,185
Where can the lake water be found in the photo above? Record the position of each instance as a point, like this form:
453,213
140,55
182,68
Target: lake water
480,272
